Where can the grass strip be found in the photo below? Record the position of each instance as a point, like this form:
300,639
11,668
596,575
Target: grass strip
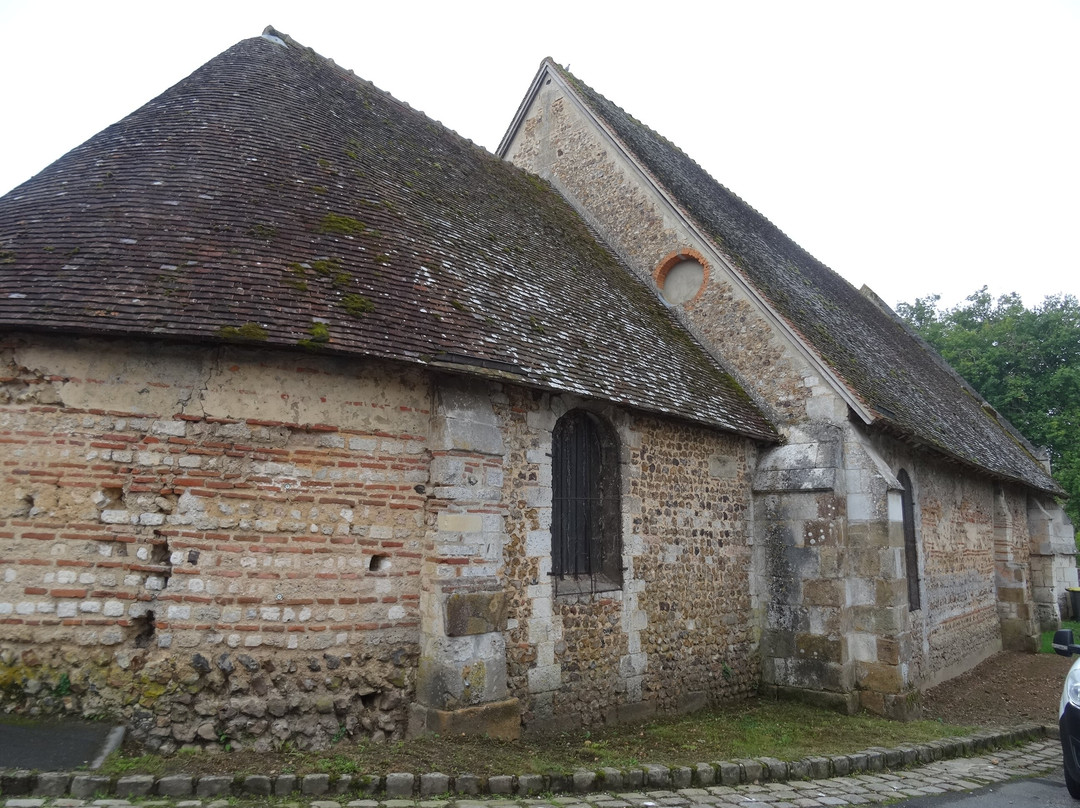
755,728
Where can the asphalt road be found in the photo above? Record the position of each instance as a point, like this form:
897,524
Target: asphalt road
56,745
1047,791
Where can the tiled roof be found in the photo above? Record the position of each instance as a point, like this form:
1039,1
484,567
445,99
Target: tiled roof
904,383
274,198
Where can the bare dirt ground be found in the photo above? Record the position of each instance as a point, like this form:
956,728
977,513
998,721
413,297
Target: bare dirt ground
1008,688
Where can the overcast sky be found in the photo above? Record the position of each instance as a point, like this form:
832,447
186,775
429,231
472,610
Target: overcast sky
917,147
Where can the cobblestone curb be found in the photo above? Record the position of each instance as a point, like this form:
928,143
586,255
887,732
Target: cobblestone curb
407,786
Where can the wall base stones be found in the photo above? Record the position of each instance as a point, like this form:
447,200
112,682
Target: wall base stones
258,701
842,702
500,720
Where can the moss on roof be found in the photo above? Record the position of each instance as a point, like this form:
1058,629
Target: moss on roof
910,389
273,188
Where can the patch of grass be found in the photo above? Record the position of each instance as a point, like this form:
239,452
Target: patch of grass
337,764
117,765
785,730
755,728
1046,639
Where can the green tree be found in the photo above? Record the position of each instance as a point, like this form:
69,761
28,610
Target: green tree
1025,362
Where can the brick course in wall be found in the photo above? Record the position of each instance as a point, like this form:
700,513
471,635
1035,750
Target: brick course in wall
321,568
200,560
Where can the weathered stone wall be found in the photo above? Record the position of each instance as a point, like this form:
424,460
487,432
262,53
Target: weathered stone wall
211,543
463,666
955,522
557,141
1053,561
696,512
830,588
804,568
679,634
231,544
973,553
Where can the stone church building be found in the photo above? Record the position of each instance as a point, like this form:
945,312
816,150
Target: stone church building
317,418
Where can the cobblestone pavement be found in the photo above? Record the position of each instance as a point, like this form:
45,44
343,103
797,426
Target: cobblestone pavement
959,774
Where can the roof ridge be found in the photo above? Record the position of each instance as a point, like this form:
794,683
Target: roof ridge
895,379
270,33
275,197
578,83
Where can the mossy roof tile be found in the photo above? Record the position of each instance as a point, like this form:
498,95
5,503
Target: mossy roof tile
909,389
275,189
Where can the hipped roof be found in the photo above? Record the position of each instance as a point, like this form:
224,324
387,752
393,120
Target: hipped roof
903,384
276,199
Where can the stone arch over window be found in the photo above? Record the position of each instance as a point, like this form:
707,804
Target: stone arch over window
911,548
682,275
586,545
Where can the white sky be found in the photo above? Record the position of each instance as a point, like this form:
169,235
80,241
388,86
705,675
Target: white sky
918,147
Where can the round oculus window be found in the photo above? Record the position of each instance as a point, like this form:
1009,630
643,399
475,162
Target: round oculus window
682,280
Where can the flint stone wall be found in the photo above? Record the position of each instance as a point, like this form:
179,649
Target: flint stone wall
680,633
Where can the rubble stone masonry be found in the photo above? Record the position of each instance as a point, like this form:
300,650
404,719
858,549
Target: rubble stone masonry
830,581
228,544
211,543
679,634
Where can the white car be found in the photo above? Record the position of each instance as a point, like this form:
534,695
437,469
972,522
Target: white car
1069,712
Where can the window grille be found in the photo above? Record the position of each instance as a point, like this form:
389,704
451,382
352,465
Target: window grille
586,553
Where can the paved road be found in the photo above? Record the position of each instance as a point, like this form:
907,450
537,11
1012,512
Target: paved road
1045,792
1028,775
55,745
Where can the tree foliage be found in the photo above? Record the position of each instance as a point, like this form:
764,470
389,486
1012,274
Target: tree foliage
1025,362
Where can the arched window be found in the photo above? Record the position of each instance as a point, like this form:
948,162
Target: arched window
586,549
911,550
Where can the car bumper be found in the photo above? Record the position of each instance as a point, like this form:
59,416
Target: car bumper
1069,727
